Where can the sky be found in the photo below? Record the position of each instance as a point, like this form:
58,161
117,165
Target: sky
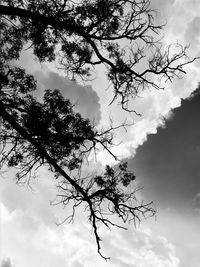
162,148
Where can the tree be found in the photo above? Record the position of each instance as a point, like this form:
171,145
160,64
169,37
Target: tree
119,34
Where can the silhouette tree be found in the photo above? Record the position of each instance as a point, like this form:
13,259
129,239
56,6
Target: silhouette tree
120,35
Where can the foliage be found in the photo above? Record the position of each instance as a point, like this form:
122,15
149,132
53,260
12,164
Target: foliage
119,34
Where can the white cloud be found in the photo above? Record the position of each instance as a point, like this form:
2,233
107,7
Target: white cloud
31,239
154,105
34,202
140,248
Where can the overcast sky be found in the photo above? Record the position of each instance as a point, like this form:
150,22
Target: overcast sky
164,153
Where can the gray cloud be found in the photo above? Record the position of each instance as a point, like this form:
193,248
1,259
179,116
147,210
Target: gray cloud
192,33
162,6
85,98
196,202
6,263
77,264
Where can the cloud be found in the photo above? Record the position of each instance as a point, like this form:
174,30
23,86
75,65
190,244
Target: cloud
35,202
182,229
192,37
34,242
196,202
6,263
127,248
140,248
31,242
154,105
76,264
192,33
85,98
162,7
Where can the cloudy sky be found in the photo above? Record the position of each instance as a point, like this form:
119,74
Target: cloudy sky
162,147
